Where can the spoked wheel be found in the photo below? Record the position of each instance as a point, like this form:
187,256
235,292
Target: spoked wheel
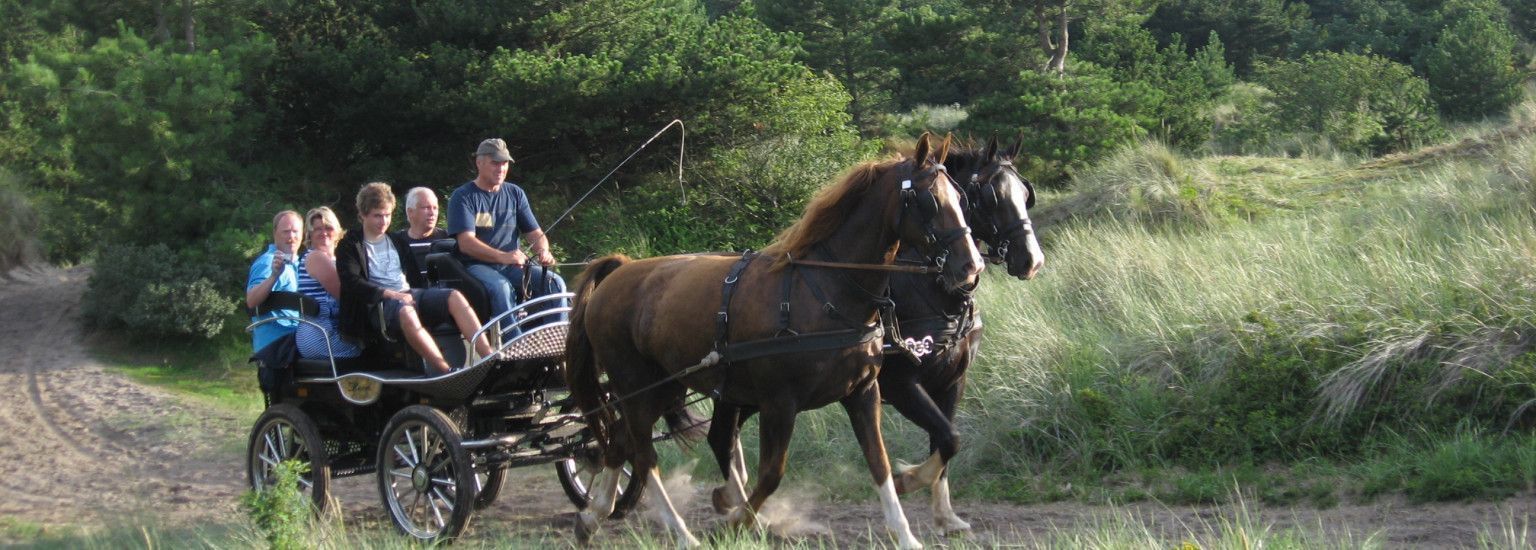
284,432
425,475
576,475
489,483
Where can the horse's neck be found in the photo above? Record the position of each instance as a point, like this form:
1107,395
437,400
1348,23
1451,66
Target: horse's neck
854,242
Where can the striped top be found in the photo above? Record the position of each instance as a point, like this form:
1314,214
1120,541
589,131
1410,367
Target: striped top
310,340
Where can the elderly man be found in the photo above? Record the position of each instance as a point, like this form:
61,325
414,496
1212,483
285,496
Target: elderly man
271,273
421,215
490,217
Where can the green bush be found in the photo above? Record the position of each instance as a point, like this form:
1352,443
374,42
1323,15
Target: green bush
154,291
281,512
1067,121
1470,68
19,221
1362,103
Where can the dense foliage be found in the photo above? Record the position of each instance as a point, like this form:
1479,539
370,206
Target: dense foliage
187,124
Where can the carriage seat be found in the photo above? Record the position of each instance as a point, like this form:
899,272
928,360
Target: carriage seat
445,269
307,308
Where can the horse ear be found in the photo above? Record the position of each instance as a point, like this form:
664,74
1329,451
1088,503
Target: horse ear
1018,143
992,148
944,147
920,157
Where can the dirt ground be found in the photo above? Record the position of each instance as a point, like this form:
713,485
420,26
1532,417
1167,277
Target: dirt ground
84,446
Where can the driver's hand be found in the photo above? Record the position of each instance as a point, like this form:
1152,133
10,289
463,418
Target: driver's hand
545,258
517,258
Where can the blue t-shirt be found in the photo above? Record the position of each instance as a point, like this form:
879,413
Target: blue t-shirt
287,281
498,219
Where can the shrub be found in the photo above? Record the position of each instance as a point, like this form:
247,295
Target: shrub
1470,68
154,291
281,512
17,219
1067,121
1362,103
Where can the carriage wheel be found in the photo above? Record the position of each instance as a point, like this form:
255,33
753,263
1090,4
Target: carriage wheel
284,432
425,475
489,483
576,476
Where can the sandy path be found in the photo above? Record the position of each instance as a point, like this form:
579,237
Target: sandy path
85,446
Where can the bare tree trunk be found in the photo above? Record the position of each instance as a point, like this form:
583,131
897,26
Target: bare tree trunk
1053,34
1059,54
162,32
1044,28
189,24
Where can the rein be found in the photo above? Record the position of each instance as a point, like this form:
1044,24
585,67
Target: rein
870,267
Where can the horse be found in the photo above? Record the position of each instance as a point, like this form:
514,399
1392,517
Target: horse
941,326
797,329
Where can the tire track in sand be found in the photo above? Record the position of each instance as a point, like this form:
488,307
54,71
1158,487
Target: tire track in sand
85,444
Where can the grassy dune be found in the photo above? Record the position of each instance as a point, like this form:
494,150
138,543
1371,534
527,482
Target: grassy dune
1314,328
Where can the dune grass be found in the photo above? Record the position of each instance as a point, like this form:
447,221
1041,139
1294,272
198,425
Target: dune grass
1278,321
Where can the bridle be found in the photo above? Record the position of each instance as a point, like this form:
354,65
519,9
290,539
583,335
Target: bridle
921,204
925,205
982,201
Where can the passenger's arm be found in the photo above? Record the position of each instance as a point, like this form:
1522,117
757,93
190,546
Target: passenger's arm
264,278
322,267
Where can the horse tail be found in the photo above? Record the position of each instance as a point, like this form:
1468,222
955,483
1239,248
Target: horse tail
581,369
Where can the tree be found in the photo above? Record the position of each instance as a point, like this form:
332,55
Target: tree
1364,104
1251,29
1470,67
843,38
1067,121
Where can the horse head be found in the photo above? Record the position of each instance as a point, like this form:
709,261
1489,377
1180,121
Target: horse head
998,200
932,219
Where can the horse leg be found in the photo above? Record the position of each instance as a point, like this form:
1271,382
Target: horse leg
913,402
776,426
863,407
725,442
670,519
943,511
605,492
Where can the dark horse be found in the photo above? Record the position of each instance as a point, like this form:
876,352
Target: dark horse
798,329
941,326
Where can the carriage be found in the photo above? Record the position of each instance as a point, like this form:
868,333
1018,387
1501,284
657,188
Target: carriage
440,446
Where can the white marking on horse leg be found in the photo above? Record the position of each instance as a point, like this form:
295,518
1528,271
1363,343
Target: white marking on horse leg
895,520
943,512
739,460
736,486
669,516
604,492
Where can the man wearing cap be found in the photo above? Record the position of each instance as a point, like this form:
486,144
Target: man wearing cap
490,217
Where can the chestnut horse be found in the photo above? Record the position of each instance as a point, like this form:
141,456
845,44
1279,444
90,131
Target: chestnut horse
796,329
941,326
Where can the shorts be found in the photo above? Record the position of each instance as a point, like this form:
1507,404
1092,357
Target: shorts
431,310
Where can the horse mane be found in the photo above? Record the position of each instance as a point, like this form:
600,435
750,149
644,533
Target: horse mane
967,156
827,211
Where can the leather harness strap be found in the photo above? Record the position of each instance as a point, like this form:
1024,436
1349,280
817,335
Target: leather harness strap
786,340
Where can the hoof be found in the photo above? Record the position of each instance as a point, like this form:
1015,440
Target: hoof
585,528
956,528
717,498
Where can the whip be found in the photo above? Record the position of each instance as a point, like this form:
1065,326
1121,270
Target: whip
681,148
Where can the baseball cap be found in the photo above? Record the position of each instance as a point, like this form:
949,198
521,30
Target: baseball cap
496,148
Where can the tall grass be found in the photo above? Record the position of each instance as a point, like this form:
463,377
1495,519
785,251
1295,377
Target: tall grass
1406,298
18,221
